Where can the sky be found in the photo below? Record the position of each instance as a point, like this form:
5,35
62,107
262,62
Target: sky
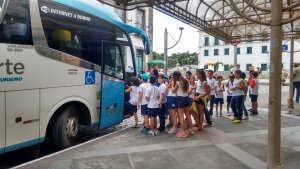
188,42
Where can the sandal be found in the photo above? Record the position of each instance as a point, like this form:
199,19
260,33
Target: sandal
190,131
198,129
181,135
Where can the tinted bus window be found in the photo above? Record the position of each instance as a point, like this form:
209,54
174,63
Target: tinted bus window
16,25
76,33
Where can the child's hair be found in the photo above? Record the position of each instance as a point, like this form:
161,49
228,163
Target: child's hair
219,77
161,75
135,81
189,73
255,74
152,79
238,72
210,71
243,75
155,72
202,73
177,75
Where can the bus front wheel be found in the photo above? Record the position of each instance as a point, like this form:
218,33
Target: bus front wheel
65,128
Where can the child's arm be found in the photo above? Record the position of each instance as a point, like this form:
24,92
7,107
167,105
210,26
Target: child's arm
175,87
128,90
161,98
147,94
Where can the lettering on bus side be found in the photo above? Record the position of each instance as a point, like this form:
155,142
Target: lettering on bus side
47,10
11,69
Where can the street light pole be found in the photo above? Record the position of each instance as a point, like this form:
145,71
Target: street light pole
166,49
274,117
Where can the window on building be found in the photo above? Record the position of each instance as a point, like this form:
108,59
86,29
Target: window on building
216,52
238,66
216,42
206,41
205,66
248,67
238,51
249,50
226,67
264,49
226,51
140,19
206,52
264,67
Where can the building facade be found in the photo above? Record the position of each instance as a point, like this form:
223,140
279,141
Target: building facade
143,19
257,54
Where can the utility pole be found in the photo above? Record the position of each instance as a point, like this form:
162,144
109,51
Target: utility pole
166,49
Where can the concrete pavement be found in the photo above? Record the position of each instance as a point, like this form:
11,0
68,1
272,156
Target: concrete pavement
225,145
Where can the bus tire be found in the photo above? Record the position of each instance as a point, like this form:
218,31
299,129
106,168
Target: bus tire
65,128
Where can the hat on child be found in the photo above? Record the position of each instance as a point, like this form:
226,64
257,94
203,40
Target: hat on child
145,76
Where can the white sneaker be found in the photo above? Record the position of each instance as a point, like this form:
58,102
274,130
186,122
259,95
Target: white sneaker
228,113
156,132
151,133
172,131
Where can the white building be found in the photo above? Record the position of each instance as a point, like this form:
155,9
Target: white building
143,19
212,50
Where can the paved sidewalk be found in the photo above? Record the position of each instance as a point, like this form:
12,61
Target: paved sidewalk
227,145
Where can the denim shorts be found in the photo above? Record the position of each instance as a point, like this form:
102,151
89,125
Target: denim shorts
182,102
144,110
219,100
153,112
171,102
129,108
229,99
253,97
190,100
200,101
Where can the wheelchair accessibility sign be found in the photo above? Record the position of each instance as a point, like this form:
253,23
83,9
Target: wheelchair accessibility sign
90,77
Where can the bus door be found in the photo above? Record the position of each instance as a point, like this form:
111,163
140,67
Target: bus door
2,122
112,85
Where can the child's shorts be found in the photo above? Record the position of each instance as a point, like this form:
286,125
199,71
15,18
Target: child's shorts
200,101
229,99
253,97
182,102
219,100
153,112
144,110
171,102
130,109
190,100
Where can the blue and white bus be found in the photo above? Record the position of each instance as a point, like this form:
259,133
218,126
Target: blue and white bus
63,63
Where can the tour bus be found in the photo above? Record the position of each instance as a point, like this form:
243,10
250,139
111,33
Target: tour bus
63,63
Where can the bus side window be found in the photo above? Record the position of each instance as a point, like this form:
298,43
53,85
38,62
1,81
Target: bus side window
16,25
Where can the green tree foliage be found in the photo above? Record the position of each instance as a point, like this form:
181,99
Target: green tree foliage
157,56
185,58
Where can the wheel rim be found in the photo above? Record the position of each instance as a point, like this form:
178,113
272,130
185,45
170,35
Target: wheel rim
72,127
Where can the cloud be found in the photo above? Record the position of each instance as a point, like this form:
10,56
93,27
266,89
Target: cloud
188,42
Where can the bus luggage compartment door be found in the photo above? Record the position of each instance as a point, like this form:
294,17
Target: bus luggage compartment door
112,102
2,122
22,119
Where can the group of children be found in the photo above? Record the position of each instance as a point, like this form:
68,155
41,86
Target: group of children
184,98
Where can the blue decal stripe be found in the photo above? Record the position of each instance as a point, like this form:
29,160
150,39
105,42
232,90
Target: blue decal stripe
97,9
22,145
1,150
